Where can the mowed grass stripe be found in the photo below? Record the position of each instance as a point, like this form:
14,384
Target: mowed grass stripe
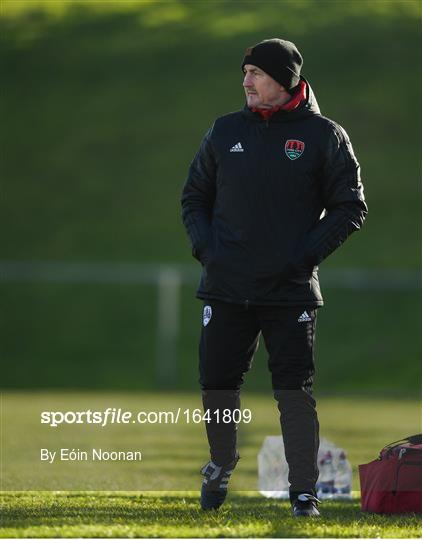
173,454
177,515
361,426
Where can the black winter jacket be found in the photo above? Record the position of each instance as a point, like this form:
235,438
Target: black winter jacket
266,201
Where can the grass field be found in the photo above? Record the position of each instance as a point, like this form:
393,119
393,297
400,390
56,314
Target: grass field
177,515
173,457
104,106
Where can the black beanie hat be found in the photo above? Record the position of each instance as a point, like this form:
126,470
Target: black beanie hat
278,58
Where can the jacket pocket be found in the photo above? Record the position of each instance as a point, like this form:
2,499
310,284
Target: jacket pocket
204,254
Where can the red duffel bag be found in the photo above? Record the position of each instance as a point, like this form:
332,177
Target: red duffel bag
392,484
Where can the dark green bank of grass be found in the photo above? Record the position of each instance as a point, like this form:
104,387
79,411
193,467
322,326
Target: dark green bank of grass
104,105
105,337
103,109
151,515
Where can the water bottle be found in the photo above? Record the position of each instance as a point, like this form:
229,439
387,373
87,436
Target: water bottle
273,470
343,477
327,473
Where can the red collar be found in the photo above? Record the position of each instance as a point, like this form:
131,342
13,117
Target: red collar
292,104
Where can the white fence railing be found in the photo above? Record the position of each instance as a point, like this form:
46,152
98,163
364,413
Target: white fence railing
169,278
108,272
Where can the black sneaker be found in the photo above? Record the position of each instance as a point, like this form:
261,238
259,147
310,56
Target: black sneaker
214,485
305,505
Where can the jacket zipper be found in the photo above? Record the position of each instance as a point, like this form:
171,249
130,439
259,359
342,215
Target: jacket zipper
267,123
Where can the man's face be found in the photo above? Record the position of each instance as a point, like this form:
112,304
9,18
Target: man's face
262,90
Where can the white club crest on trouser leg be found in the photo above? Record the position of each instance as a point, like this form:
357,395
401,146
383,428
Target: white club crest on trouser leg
206,316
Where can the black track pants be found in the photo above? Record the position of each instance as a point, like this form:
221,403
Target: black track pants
229,340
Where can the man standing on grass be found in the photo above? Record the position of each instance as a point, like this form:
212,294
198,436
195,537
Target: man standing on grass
273,190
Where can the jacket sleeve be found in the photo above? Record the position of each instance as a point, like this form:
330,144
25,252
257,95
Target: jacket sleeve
343,199
198,197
